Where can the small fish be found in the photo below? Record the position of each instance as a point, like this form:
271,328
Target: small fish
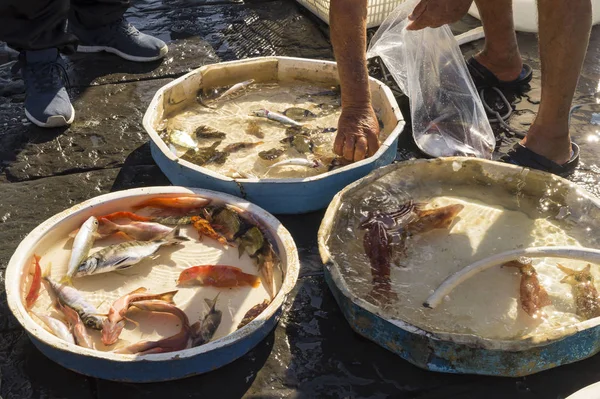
271,154
176,342
66,295
227,222
253,313
182,139
188,202
124,215
82,338
337,163
204,228
173,220
251,241
116,315
533,296
329,130
274,116
266,259
297,162
253,129
217,276
206,132
83,242
141,231
587,301
206,155
126,254
36,282
298,113
202,332
57,327
430,219
233,89
241,146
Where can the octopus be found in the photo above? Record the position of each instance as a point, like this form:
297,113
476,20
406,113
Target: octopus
532,295
382,228
587,302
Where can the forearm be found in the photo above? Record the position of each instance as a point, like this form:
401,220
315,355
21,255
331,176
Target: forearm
348,21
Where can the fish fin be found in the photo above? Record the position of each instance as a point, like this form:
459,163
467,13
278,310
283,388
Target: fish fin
195,328
139,290
124,267
174,237
73,233
566,270
212,303
168,297
66,280
132,321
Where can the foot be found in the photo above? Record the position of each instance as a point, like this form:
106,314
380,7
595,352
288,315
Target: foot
47,102
120,38
506,67
549,143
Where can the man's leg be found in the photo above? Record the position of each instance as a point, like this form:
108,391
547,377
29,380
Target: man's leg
37,29
100,26
564,30
501,52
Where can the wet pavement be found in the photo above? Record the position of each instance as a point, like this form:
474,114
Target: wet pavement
312,352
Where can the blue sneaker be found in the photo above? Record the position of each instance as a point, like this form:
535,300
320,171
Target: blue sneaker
47,102
120,38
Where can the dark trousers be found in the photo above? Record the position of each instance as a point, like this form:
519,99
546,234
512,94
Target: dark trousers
41,24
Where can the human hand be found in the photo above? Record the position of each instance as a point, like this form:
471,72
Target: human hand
358,133
435,13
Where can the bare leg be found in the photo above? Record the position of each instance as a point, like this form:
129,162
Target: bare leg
501,52
564,29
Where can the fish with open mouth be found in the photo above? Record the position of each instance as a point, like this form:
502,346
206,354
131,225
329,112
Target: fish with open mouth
587,301
126,254
274,116
207,132
533,296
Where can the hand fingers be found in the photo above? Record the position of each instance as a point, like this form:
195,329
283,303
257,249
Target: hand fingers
420,23
419,9
360,149
338,144
373,142
349,148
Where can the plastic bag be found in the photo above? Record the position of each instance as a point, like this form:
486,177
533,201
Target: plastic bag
448,118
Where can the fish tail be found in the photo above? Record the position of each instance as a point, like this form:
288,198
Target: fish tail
168,297
66,280
212,303
174,237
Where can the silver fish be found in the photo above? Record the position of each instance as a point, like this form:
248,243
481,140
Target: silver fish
297,162
126,254
233,89
274,116
202,332
81,246
66,295
57,327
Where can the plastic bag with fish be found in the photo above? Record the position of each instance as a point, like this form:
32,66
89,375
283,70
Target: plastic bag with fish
448,117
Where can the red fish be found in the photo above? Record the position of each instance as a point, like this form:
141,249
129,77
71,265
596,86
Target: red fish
183,202
113,325
36,282
204,228
124,215
533,296
218,276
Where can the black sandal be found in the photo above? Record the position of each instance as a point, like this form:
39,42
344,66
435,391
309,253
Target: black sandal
484,78
523,156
